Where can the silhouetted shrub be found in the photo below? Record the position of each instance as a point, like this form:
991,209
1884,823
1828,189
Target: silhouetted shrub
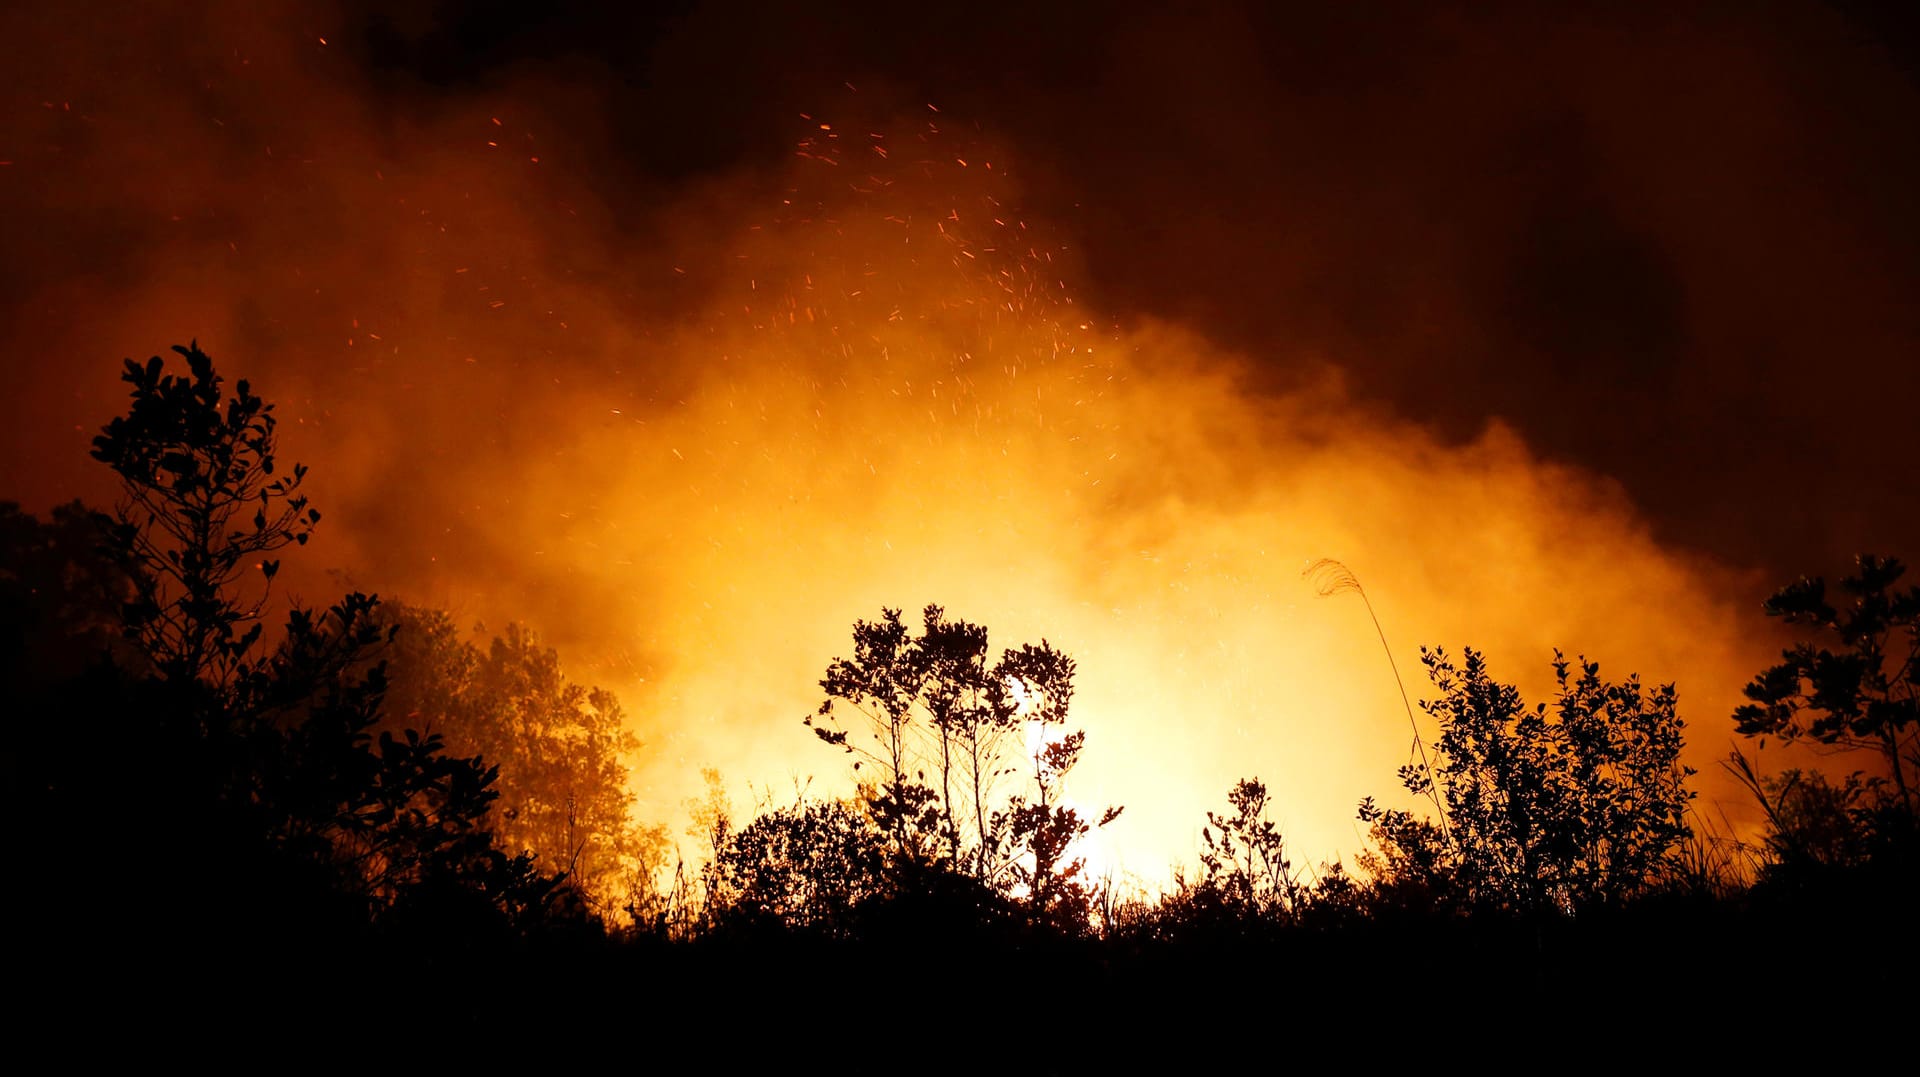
1547,808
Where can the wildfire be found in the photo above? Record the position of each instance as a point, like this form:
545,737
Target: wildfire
908,407
695,453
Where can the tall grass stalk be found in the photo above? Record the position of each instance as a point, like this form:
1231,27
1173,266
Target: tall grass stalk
1331,578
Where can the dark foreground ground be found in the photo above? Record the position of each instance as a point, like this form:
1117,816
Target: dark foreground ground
1771,977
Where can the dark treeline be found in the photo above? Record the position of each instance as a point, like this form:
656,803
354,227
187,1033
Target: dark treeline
366,832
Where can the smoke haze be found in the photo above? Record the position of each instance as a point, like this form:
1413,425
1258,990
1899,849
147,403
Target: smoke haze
691,339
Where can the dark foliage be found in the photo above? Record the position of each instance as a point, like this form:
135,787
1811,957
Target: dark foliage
1566,807
945,725
193,463
1849,845
1248,891
257,836
560,747
805,868
61,594
1865,694
1244,857
234,799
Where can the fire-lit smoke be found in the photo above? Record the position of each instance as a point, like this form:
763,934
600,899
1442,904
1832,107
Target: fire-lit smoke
691,432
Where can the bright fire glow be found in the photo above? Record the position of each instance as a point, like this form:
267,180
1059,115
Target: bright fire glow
895,402
695,456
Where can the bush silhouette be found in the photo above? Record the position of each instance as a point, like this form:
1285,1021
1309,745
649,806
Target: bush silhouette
1566,807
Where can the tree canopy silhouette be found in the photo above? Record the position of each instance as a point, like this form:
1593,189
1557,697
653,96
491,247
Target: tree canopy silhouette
1854,688
947,728
1548,808
192,464
561,747
1866,694
272,760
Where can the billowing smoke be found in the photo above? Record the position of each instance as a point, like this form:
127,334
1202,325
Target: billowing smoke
691,423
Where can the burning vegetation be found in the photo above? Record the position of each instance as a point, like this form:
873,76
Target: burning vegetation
685,435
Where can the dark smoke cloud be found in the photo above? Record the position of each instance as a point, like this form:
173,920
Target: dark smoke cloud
1677,247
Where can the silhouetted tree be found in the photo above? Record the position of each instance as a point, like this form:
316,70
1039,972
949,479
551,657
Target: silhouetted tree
561,747
274,759
1555,807
391,812
887,682
944,723
1057,890
975,715
1866,694
200,509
